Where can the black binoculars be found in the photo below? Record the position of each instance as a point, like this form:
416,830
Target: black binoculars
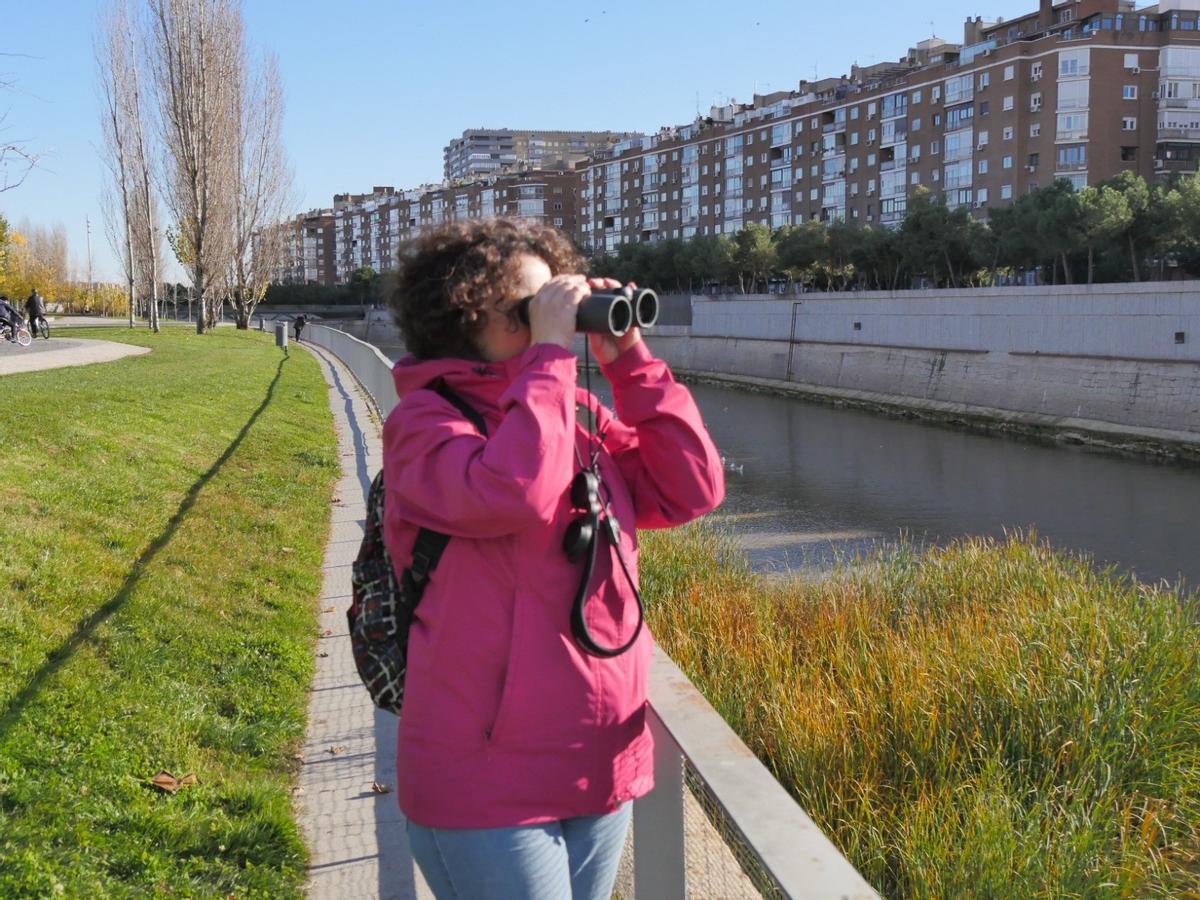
610,312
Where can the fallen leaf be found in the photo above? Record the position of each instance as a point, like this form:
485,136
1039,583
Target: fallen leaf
327,632
83,791
169,784
381,788
322,655
338,748
329,609
288,549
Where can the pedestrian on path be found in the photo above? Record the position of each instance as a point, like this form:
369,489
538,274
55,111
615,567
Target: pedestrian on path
523,739
301,321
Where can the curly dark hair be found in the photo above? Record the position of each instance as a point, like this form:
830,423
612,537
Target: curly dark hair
451,277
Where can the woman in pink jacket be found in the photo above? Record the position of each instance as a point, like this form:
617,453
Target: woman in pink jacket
523,739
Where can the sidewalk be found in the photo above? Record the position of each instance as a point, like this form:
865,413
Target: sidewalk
355,835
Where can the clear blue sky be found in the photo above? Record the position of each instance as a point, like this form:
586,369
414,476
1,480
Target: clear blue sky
376,88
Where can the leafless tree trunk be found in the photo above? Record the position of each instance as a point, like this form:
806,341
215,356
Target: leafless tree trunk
114,51
196,52
263,186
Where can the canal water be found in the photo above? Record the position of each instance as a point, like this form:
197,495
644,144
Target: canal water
808,484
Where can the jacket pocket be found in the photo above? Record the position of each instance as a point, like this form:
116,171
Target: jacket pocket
512,672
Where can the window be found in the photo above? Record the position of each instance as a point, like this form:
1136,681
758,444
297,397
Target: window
1008,102
916,125
1035,129
870,159
1129,92
1128,154
854,139
936,176
1034,159
916,96
1073,63
1007,133
933,148
1073,156
813,194
1009,71
983,139
1131,60
870,135
854,113
935,93
915,153
854,189
1035,102
1035,72
854,164
983,167
982,195
937,120
1006,192
1129,123
984,107
985,78
915,178
870,110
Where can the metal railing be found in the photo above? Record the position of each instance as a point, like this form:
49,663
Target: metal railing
717,823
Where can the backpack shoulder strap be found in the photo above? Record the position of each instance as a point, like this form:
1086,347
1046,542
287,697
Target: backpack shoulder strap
471,413
429,545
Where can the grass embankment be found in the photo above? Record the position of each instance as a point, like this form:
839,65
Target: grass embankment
160,558
985,720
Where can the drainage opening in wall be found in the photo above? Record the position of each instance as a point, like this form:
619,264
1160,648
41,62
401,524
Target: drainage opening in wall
1180,337
858,326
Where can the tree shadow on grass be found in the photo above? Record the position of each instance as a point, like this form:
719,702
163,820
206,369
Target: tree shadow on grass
57,658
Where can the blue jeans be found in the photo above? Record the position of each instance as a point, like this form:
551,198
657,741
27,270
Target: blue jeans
571,859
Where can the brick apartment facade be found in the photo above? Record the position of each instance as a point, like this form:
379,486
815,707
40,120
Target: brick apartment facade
369,229
483,152
308,250
1080,90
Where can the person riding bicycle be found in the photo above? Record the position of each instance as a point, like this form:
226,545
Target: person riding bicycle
35,308
10,316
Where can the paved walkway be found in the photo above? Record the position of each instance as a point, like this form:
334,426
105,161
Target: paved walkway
355,834
58,352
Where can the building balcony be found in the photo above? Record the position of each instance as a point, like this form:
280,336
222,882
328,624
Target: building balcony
1179,134
1179,103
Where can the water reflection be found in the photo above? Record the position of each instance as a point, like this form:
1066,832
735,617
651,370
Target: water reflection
817,481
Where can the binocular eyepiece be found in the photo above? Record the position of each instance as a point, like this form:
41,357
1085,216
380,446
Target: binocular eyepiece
610,312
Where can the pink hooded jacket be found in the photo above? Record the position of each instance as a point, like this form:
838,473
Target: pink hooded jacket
506,721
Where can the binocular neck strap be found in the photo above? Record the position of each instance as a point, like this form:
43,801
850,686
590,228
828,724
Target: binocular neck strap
579,628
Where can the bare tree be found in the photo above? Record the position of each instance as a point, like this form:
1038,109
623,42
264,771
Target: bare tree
196,54
15,155
264,185
114,51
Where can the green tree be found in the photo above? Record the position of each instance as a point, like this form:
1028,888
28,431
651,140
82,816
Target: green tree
800,249
1139,232
361,282
1102,215
753,255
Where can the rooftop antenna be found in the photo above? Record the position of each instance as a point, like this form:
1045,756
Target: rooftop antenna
932,34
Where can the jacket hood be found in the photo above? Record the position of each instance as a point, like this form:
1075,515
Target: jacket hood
473,377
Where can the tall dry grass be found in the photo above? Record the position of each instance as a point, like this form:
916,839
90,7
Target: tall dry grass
988,719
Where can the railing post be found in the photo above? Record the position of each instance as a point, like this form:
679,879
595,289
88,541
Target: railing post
659,861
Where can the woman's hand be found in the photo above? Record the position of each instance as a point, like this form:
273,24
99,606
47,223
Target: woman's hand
552,310
605,347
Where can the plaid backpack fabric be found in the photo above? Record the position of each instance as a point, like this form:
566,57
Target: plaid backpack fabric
382,605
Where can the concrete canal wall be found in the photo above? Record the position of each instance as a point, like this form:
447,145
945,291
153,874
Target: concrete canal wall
1106,364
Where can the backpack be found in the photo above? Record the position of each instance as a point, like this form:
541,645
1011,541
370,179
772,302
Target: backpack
382,607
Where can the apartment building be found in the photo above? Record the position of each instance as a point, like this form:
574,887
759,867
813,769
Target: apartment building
368,229
1080,89
482,152
307,249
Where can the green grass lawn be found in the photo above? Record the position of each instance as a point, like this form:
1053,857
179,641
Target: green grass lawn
164,518
988,719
